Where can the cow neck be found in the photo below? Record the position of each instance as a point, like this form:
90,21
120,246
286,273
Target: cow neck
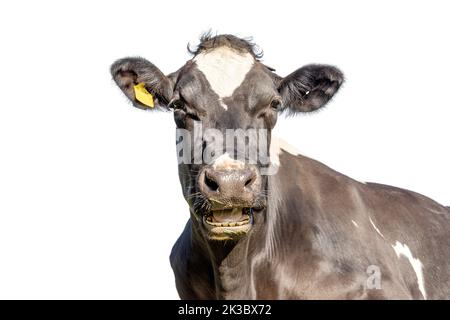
229,260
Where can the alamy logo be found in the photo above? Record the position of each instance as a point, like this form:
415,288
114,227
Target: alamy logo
204,146
374,279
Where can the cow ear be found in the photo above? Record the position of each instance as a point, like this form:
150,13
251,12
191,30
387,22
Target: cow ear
310,87
142,82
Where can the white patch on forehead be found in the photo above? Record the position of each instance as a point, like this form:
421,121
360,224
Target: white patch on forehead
403,249
376,229
225,69
222,104
225,162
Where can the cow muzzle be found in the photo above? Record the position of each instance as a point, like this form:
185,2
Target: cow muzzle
232,193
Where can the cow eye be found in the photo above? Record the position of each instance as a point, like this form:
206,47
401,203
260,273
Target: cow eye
275,104
177,105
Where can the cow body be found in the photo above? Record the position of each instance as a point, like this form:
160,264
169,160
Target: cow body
320,233
278,225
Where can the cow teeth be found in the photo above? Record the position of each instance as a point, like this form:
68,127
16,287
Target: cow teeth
241,223
228,224
246,220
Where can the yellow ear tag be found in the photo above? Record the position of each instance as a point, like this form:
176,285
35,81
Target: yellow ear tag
143,96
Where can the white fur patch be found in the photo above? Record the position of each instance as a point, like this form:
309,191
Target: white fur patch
443,211
276,146
376,229
225,162
403,249
225,69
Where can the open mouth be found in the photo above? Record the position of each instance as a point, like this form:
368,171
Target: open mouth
234,217
228,223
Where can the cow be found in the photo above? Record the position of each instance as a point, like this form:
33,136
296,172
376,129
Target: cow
301,230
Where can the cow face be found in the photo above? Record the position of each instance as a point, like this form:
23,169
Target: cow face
225,103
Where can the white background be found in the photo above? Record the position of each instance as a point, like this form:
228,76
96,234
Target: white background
90,203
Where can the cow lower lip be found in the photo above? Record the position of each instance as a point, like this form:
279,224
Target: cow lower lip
235,217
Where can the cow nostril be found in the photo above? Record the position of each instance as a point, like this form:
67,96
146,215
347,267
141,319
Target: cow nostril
249,182
211,184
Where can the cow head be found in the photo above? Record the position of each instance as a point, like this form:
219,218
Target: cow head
225,93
